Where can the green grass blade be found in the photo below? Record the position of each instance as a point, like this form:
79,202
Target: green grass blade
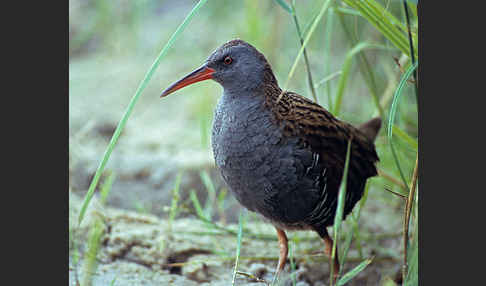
348,11
175,200
292,263
365,68
342,193
413,7
220,202
340,207
405,137
208,183
328,28
362,203
197,206
393,111
284,5
328,78
355,271
129,109
106,187
238,245
347,242
324,7
412,274
355,229
346,70
306,59
309,23
383,21
411,44
90,263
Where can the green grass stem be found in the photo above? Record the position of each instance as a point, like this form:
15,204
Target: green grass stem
355,271
411,44
355,215
284,5
411,278
346,70
106,187
238,245
328,28
324,7
338,218
306,59
391,120
90,262
383,21
175,200
406,221
197,206
411,142
130,107
328,78
208,183
364,66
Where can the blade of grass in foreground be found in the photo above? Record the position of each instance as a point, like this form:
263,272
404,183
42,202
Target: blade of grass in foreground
383,21
406,221
328,28
197,206
129,109
340,209
354,230
238,246
412,53
306,60
393,111
90,263
284,5
325,5
412,274
174,201
348,276
208,183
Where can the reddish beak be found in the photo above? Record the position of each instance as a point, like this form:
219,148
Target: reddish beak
202,73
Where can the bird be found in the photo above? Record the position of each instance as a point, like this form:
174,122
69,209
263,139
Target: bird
281,154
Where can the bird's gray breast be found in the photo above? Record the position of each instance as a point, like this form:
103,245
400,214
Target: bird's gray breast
266,172
242,140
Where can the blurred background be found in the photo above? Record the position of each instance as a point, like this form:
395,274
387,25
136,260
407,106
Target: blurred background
112,44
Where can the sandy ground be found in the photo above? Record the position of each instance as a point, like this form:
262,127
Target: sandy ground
141,249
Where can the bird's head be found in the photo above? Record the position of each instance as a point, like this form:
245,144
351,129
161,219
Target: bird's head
236,65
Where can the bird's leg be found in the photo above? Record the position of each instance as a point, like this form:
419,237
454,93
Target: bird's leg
328,250
284,251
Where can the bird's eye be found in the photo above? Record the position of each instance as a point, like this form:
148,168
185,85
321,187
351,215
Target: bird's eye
228,60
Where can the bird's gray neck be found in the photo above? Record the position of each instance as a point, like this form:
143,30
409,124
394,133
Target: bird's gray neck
240,96
236,111
244,87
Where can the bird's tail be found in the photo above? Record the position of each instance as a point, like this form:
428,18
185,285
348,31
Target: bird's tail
371,128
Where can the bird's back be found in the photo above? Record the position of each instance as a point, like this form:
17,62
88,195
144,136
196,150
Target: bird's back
285,160
327,138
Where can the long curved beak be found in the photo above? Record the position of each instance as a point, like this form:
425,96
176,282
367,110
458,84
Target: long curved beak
202,73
